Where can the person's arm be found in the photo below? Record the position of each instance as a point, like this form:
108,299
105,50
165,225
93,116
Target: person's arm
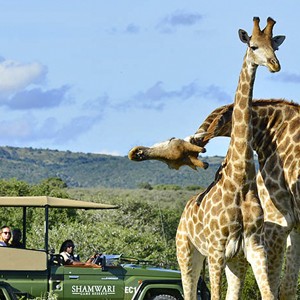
91,259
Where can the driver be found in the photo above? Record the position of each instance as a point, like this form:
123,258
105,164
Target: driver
67,252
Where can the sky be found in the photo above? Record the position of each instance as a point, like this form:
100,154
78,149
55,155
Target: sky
99,76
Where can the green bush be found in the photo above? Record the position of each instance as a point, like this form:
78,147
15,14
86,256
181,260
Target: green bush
194,188
167,187
145,185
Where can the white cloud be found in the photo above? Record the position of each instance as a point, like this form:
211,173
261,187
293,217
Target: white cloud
179,19
132,28
37,98
157,96
15,76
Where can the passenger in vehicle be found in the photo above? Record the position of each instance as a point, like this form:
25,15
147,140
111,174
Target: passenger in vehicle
5,235
16,239
67,252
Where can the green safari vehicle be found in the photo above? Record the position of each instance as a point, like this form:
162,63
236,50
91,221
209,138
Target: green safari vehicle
39,274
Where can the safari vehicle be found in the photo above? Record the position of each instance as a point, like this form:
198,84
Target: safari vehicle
31,273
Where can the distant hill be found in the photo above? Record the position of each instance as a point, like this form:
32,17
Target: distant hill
97,170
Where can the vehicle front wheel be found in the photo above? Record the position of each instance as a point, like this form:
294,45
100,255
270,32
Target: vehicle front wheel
163,297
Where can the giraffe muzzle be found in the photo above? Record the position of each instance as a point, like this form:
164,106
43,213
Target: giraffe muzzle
274,65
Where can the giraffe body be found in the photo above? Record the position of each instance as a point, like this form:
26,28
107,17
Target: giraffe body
276,141
270,129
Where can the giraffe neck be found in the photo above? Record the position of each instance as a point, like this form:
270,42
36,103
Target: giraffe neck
242,134
269,117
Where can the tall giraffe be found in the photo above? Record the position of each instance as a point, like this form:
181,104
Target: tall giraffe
229,216
276,140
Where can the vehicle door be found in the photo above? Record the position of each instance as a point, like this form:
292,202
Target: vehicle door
93,283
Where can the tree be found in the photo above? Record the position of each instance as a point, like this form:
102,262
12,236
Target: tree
54,187
145,185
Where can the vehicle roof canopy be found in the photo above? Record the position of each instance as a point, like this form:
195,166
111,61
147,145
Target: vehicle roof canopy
45,201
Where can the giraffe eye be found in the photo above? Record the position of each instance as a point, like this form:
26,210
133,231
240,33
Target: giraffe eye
254,48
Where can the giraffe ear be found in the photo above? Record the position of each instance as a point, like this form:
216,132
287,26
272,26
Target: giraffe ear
244,37
277,41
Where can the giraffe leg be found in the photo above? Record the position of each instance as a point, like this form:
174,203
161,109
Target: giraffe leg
254,243
275,239
288,288
235,270
257,257
216,266
190,261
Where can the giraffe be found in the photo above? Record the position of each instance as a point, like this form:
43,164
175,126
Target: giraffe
230,217
276,140
274,123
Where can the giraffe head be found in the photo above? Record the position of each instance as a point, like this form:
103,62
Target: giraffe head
174,152
262,45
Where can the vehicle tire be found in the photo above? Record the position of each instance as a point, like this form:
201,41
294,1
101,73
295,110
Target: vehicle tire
163,297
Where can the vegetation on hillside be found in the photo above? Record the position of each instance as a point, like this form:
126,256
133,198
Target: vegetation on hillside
96,170
143,227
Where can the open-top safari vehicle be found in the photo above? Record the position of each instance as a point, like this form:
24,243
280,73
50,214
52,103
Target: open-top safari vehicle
38,273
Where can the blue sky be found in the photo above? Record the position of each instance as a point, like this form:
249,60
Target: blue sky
104,76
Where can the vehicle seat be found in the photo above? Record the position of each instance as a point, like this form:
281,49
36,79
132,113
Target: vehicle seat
57,260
